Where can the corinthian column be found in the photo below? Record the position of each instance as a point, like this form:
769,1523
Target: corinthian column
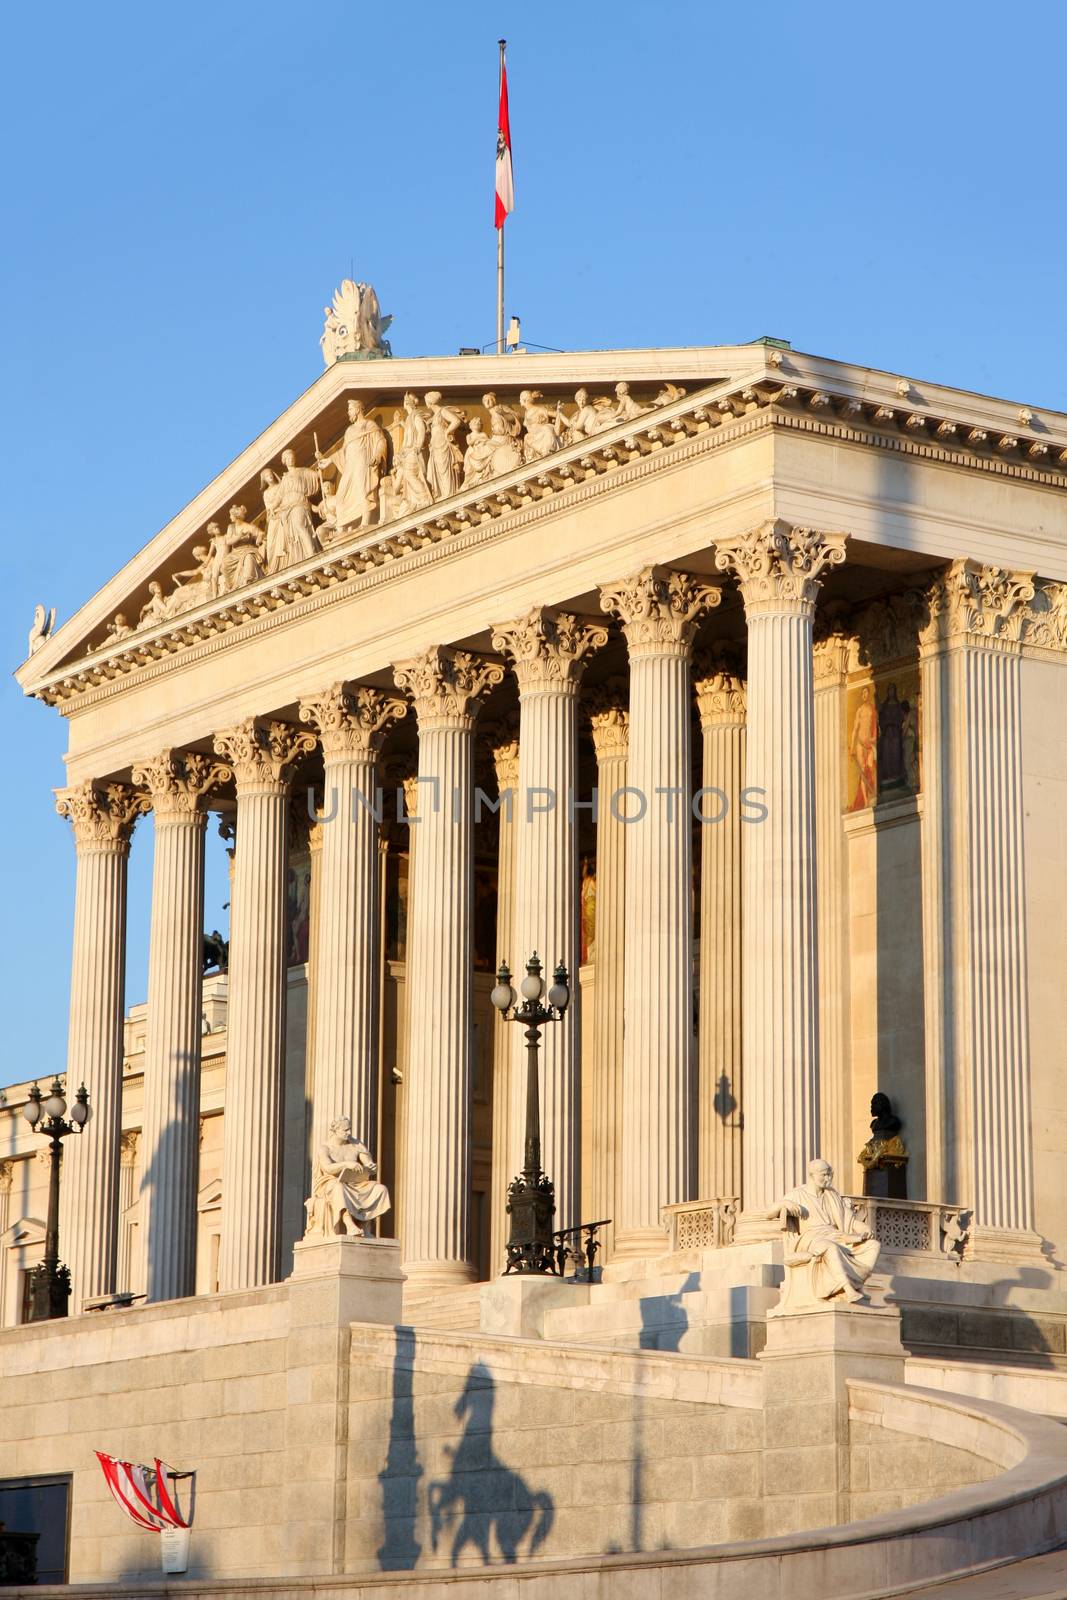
446,686
548,651
351,725
658,609
505,748
262,757
720,696
830,666
610,724
170,1143
778,569
103,820
974,903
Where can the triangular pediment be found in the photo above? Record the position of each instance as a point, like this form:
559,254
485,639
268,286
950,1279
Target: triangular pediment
313,429
436,446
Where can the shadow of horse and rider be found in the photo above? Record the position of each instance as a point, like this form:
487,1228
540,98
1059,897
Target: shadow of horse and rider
482,1500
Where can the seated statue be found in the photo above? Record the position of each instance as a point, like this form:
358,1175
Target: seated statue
834,1251
344,1196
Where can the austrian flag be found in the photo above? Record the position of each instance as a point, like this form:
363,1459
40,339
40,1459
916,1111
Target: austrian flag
505,186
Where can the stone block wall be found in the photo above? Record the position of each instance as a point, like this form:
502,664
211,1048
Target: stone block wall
888,1471
448,1470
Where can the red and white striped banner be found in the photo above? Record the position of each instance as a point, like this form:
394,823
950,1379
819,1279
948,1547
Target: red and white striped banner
142,1492
505,183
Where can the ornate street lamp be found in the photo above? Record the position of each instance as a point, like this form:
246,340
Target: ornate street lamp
532,1244
50,1281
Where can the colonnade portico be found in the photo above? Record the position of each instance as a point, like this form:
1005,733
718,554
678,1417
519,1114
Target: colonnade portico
668,1111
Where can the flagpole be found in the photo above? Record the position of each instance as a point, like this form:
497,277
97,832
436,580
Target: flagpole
500,239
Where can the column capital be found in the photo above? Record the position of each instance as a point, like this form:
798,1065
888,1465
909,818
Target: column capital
178,781
548,648
609,719
978,604
503,740
1048,625
447,685
720,690
103,816
129,1145
262,754
659,609
778,566
7,1175
352,721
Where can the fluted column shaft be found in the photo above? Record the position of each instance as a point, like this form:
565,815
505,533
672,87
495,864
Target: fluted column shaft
506,765
346,982
778,568
261,757
446,686
971,652
548,651
88,1214
610,725
835,1059
170,1143
658,609
721,703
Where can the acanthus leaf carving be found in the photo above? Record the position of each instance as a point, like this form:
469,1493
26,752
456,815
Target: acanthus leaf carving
447,685
549,648
262,754
720,690
103,816
352,720
179,781
659,609
779,565
987,604
607,705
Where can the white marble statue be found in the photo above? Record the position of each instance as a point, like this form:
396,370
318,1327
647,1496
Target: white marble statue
357,464
505,430
290,535
445,465
345,1197
478,456
834,1252
155,607
583,422
541,426
411,489
354,324
193,586
118,628
43,622
626,407
243,559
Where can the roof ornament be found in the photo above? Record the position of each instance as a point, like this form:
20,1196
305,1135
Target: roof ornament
44,620
355,328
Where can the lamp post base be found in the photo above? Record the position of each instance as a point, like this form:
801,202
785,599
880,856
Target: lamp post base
49,1291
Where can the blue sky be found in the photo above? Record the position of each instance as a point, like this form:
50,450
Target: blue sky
183,187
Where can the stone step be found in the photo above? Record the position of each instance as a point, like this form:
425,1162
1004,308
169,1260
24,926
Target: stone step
457,1309
655,1321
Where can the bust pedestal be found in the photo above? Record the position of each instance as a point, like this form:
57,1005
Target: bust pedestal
349,1279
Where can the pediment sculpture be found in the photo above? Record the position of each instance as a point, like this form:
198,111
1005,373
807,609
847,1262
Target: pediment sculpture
345,1194
426,450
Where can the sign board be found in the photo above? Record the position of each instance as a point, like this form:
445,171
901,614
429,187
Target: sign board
174,1549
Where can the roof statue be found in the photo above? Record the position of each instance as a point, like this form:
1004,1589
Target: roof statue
43,623
355,327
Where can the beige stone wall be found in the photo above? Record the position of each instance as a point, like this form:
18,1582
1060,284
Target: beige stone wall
1044,686
888,1471
446,1470
886,964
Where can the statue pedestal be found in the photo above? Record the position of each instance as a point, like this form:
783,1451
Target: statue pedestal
516,1302
348,1280
807,1362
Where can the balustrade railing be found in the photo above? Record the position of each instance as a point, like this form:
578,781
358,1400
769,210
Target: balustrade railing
923,1227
